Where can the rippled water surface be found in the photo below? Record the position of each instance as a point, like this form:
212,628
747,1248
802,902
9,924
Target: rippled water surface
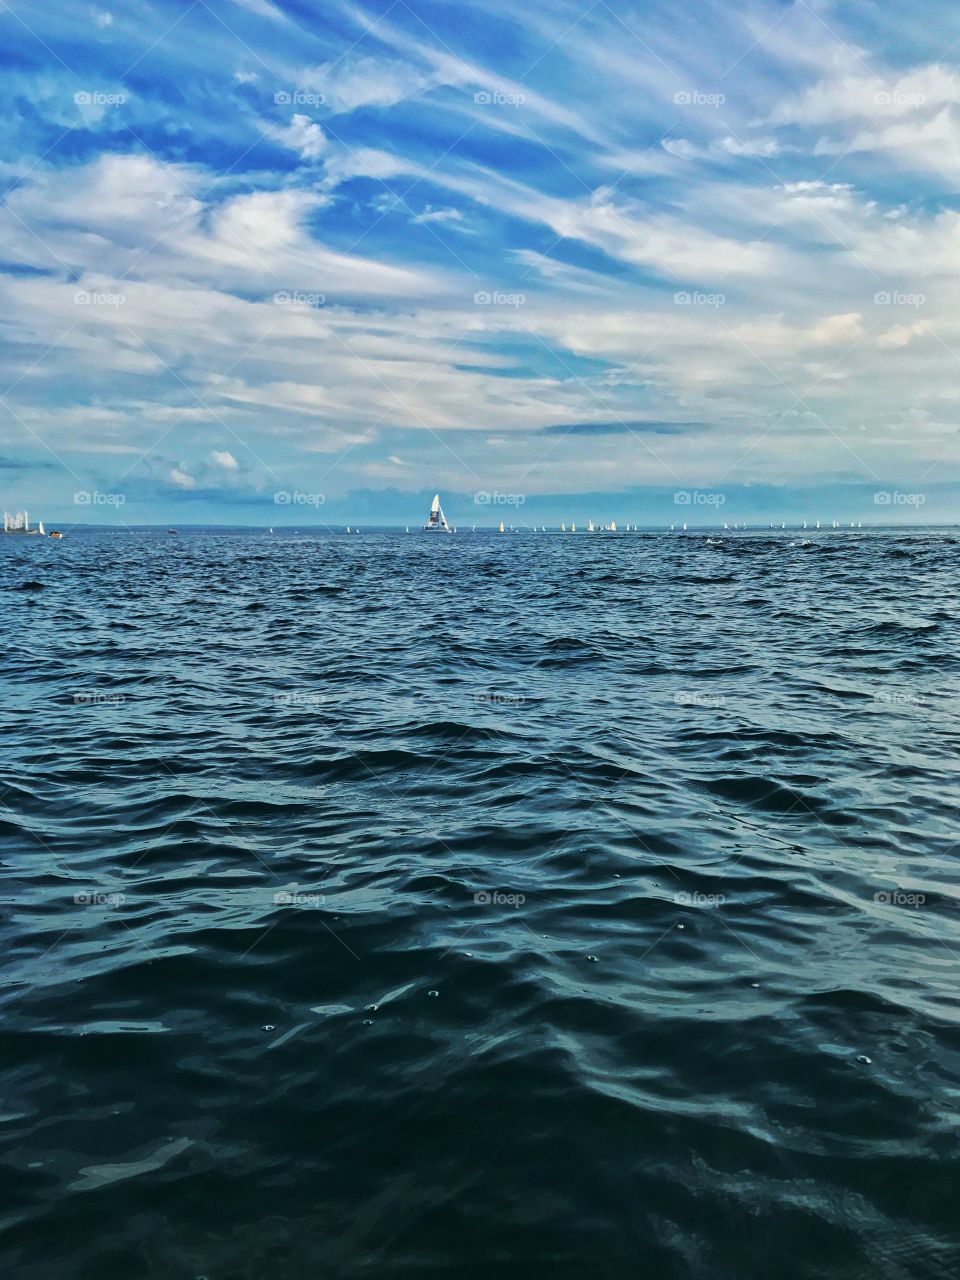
400,906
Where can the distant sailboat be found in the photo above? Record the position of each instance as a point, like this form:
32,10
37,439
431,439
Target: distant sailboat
501,529
563,527
436,521
589,526
573,528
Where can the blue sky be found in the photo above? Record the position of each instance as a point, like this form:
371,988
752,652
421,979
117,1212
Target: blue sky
586,255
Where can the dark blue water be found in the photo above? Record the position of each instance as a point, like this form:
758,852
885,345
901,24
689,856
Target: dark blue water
399,906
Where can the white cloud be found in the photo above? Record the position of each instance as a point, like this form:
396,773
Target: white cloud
302,135
901,335
224,459
354,82
439,215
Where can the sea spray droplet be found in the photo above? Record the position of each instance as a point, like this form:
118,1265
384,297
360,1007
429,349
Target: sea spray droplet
372,1008
593,958
368,1022
269,1028
863,1060
433,994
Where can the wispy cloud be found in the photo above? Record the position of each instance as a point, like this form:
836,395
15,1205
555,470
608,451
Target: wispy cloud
251,241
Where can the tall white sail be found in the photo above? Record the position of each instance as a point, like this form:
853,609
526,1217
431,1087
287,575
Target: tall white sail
436,521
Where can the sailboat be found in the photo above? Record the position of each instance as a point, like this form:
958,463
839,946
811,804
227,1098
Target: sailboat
436,521
20,523
573,528
563,527
501,529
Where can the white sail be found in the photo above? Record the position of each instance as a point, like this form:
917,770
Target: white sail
501,529
436,521
563,527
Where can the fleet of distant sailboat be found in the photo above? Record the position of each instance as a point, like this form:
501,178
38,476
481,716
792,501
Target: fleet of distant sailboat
437,522
18,524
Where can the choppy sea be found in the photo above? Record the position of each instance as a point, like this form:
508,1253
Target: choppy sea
397,906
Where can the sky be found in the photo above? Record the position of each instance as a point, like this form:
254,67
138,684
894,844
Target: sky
290,262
